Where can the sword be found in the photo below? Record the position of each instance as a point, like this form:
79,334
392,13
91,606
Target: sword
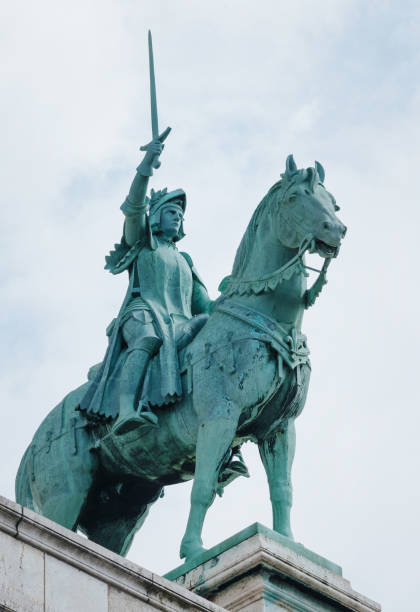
153,107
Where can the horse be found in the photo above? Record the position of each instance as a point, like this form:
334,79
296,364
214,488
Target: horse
245,376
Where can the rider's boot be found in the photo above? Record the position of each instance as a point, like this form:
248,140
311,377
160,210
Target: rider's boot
132,377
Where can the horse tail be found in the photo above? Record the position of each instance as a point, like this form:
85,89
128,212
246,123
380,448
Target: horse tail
23,491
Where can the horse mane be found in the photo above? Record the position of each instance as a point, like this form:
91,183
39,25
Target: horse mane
267,205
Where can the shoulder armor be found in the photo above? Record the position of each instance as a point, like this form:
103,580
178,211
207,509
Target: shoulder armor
122,256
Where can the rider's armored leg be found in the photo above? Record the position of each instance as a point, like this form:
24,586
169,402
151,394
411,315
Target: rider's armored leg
142,345
131,382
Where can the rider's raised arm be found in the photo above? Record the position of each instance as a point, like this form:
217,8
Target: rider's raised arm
135,204
134,209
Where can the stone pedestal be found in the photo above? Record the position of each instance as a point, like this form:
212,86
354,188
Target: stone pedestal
259,570
47,568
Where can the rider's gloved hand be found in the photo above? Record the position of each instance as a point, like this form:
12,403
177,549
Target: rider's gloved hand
153,151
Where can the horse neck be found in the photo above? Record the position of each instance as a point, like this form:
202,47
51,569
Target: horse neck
285,302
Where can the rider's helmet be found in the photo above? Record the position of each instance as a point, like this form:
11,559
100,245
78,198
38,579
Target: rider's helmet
158,201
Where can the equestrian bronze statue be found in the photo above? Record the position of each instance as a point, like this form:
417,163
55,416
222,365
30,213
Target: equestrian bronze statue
186,380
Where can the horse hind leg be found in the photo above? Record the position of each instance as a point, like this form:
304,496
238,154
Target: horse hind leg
57,495
61,496
114,514
115,533
56,478
277,453
215,437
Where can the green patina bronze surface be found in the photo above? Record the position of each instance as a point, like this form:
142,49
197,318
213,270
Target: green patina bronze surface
185,381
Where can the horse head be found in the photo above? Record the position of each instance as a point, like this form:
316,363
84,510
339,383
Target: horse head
306,211
298,214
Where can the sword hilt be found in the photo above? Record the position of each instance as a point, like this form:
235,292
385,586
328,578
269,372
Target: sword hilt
156,161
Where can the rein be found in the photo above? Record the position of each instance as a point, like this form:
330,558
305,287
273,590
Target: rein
235,286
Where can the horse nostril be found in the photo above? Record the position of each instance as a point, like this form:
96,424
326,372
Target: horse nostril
344,231
326,225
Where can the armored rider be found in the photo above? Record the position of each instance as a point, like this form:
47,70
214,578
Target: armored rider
165,306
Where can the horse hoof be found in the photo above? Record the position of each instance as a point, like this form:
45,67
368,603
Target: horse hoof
190,552
286,533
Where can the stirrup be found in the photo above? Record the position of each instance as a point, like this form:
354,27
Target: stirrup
146,414
143,418
237,464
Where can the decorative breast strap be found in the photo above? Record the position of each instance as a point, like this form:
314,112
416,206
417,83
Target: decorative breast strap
290,345
231,285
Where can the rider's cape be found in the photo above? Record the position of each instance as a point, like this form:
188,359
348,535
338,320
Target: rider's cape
169,390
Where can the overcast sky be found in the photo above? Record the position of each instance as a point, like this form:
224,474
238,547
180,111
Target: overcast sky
242,84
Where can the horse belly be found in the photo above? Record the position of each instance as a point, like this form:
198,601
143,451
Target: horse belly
163,454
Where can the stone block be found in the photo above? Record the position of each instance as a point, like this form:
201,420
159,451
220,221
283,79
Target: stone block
21,575
119,600
258,570
68,589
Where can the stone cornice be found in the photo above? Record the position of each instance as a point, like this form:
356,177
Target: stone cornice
79,552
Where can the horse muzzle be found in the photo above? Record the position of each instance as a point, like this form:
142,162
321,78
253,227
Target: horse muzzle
328,241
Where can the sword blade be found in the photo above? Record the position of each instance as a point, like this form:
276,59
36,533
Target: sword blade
153,104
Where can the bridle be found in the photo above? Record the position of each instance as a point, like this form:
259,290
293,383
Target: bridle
233,286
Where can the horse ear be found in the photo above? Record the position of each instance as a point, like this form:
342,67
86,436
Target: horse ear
291,167
320,170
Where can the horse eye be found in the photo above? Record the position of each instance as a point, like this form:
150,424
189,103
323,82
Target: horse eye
292,198
307,192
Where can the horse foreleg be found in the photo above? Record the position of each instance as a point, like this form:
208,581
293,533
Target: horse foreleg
215,437
277,453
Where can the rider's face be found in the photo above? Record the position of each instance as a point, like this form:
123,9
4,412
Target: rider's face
170,220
